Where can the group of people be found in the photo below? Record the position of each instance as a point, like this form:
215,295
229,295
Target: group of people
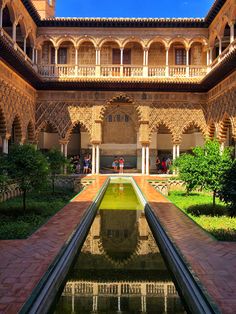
82,166
164,165
118,164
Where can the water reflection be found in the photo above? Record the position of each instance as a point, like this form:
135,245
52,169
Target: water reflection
120,269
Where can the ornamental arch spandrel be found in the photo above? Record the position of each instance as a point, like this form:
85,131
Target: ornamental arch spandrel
176,117
64,115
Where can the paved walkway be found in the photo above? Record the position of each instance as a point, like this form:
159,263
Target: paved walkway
213,262
23,262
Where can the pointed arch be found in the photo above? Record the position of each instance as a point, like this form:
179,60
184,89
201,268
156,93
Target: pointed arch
16,131
69,130
3,127
224,126
161,123
30,133
202,128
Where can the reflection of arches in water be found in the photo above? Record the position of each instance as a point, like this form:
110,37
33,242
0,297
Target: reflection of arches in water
119,233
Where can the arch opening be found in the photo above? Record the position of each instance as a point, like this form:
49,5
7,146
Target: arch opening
30,133
7,21
156,59
119,136
16,132
192,136
226,37
48,138
161,149
2,129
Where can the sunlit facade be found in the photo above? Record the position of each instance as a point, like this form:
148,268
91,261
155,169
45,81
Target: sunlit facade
116,86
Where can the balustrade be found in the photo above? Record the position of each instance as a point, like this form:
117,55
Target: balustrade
51,71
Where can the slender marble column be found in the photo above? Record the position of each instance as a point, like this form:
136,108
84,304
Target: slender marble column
97,159
143,159
93,159
147,160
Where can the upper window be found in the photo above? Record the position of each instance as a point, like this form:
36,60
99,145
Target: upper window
62,56
180,56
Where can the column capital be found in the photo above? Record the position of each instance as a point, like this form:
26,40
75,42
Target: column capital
145,143
7,136
63,141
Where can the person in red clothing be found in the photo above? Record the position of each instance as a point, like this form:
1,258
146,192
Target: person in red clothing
163,166
121,165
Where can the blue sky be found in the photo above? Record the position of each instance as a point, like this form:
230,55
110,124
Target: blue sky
132,8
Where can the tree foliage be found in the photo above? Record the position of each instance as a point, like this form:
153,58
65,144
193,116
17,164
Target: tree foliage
27,167
3,174
205,167
227,192
56,163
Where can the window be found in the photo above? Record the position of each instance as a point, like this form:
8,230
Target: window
126,118
180,56
62,56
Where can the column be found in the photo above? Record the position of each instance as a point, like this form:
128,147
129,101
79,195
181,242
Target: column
95,303
98,62
5,145
187,62
222,146
145,62
143,159
76,61
56,55
231,32
1,13
62,149
210,55
25,44
167,62
208,60
14,32
220,46
177,150
93,159
73,298
174,151
121,61
33,55
165,298
36,56
147,160
118,304
97,160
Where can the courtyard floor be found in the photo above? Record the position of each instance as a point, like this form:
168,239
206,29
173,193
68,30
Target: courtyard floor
24,262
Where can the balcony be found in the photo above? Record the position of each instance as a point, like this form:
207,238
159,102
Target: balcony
64,71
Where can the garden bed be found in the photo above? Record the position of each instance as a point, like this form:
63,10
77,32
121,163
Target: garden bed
17,224
198,206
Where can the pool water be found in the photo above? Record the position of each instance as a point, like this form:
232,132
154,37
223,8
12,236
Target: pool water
122,196
120,268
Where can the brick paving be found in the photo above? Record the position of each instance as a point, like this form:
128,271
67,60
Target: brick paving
213,262
24,262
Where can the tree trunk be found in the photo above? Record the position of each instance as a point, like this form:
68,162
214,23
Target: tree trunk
24,200
214,199
53,184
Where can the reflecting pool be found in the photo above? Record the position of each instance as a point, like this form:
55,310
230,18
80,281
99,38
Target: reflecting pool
120,268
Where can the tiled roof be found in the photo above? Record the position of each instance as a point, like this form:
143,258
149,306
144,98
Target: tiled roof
124,22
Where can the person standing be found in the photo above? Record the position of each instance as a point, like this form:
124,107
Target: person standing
121,165
115,164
